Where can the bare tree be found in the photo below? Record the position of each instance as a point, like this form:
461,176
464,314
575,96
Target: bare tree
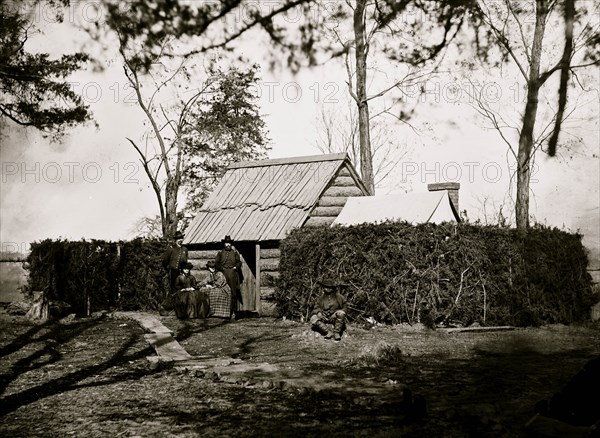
213,24
189,144
162,154
524,46
381,24
338,131
148,227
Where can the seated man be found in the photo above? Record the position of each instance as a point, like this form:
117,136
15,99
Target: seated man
330,308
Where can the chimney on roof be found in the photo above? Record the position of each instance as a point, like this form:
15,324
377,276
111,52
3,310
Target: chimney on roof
452,187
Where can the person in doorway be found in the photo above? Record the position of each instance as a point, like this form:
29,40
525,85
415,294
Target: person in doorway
329,309
228,262
174,258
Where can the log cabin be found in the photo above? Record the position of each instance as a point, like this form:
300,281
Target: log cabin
258,203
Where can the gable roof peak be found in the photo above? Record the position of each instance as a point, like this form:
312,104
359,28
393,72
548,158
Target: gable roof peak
290,160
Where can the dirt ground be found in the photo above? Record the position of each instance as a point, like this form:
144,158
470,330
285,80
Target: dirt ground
91,377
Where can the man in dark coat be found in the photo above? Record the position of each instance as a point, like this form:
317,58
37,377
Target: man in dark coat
174,258
330,308
228,261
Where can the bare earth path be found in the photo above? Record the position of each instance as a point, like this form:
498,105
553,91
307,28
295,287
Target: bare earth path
92,378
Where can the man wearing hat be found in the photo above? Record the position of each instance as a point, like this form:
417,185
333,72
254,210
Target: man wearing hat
228,261
174,258
330,308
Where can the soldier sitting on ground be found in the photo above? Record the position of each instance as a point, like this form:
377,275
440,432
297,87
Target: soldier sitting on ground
330,309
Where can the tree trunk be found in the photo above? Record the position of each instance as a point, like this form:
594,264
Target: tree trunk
39,309
366,157
526,137
170,219
569,16
524,157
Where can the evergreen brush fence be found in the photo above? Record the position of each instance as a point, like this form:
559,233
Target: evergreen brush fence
399,273
95,275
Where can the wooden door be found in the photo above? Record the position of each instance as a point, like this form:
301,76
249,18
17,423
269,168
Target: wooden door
248,286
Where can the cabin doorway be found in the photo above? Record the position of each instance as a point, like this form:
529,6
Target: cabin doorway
248,255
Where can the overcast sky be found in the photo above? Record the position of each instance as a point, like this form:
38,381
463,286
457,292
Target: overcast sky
91,185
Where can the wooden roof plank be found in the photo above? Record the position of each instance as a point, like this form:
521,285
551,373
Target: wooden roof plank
263,200
290,160
274,184
277,217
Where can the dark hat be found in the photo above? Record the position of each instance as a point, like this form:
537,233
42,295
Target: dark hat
187,265
227,239
211,264
178,235
327,282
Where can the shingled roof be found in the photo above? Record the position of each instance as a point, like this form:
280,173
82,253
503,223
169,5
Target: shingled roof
263,200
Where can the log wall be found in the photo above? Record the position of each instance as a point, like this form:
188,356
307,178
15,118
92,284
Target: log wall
269,272
199,260
333,199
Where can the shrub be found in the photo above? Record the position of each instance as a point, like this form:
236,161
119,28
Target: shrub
439,273
143,281
94,275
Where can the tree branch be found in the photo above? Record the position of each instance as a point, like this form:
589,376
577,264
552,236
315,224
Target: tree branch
155,185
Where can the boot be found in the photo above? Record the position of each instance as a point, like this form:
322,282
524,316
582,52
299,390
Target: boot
321,328
337,329
329,335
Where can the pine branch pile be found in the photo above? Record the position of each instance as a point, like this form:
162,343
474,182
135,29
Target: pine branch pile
439,274
96,275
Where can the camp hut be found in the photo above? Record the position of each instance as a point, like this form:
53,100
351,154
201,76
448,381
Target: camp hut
439,204
258,203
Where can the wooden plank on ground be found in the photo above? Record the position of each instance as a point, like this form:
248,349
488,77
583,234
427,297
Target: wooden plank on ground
167,347
151,324
478,329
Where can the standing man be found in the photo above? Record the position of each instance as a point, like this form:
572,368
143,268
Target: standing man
174,258
229,263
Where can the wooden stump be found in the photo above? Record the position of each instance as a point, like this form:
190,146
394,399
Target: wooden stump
39,309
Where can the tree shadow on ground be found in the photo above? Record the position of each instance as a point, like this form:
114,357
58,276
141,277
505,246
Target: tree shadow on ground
59,334
491,394
187,328
53,334
24,339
